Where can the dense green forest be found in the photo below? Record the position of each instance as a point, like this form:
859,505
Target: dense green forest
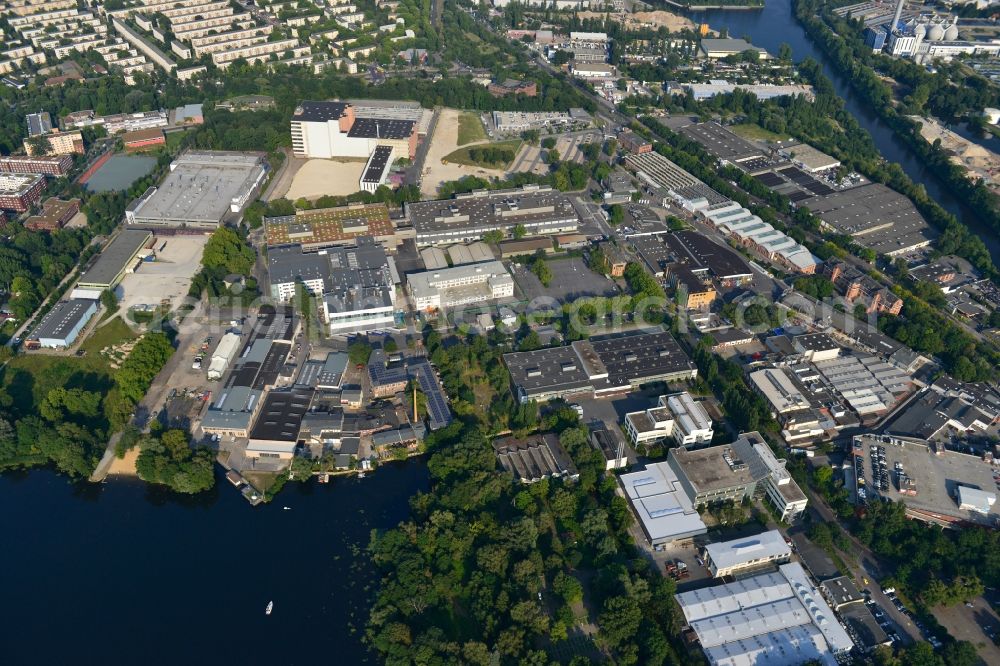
62,411
488,571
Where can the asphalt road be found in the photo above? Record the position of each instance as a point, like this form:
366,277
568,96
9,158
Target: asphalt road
867,568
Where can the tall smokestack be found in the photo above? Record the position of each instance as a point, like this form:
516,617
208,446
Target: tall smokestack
895,17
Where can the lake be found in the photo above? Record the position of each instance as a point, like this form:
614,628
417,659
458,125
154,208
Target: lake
123,572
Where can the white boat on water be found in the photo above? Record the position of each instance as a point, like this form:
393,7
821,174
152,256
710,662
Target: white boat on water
270,607
361,475
287,508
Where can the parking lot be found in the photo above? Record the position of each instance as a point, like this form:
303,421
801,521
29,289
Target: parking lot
935,479
169,277
977,624
571,279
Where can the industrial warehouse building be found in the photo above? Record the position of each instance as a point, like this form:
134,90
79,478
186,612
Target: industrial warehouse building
599,366
358,284
327,227
460,285
664,509
745,554
63,323
118,258
539,209
202,190
777,618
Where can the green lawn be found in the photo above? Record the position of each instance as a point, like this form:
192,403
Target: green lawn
470,129
756,132
174,139
464,155
109,333
30,376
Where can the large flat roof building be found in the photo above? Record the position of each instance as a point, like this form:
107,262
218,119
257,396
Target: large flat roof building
203,189
460,285
759,551
779,618
115,260
326,227
601,365
466,217
730,472
61,326
357,283
722,143
275,432
661,504
875,216
727,46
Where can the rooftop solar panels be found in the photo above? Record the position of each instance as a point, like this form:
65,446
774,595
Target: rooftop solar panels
821,189
769,179
796,174
798,196
437,405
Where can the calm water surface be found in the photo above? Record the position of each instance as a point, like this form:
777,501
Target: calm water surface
121,573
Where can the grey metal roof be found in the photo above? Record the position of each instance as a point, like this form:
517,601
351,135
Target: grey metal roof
115,256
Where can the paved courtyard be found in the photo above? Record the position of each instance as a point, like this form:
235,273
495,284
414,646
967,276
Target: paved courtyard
571,279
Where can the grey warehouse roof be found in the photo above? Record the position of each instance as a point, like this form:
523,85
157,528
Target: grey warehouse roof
113,258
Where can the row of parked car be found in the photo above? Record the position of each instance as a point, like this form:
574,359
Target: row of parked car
890,593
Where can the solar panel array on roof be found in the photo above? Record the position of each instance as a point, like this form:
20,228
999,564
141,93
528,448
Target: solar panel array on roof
437,404
376,166
769,179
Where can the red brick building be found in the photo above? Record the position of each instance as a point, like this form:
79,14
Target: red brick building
55,214
143,139
18,192
50,165
634,143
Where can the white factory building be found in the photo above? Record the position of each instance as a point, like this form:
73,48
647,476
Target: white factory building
759,551
776,618
460,285
677,416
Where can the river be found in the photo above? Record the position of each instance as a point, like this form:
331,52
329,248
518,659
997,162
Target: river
774,25
123,573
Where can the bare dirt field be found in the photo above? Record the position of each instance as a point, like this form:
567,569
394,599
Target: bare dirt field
979,161
672,22
169,277
315,178
443,143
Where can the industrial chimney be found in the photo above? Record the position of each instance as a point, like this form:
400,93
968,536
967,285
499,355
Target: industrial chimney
895,17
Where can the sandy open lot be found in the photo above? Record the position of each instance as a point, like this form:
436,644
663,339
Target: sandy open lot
78,221
334,177
979,161
442,143
125,466
169,277
672,22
